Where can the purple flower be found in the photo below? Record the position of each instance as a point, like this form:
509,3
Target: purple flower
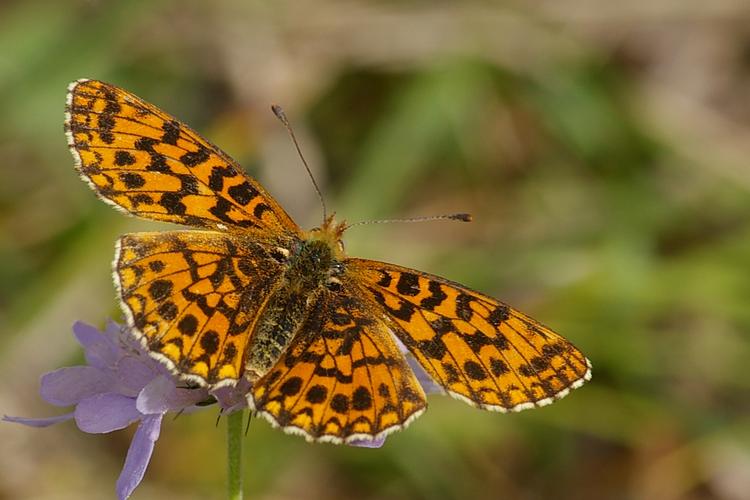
119,386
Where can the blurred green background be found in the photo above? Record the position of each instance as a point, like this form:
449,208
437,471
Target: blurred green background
603,149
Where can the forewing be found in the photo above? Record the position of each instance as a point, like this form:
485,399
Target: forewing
342,379
192,297
144,161
479,349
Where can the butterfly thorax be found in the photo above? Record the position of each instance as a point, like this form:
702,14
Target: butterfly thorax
312,266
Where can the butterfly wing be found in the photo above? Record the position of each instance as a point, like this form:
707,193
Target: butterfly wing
342,379
193,297
477,348
145,162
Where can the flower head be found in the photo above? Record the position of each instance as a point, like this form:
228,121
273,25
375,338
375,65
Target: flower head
120,385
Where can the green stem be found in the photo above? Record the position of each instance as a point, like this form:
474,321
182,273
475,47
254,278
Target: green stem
234,454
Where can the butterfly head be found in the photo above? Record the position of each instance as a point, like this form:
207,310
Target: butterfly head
330,232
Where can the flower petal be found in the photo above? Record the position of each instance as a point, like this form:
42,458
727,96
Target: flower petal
134,372
232,398
39,422
368,443
153,397
427,383
67,386
161,395
114,331
106,413
139,454
86,334
101,350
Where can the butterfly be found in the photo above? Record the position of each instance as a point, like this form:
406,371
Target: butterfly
249,295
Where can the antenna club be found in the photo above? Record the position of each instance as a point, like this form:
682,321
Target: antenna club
462,217
279,112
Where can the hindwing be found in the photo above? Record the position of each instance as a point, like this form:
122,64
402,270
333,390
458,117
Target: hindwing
193,297
342,379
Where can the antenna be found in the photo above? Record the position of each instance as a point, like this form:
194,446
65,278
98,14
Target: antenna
283,119
456,217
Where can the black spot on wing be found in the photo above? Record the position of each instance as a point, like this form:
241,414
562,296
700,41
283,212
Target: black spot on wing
361,399
451,373
132,180
384,391
107,117
188,184
124,158
408,284
316,394
291,386
156,266
158,163
477,340
441,326
173,204
195,158
340,403
188,325
434,348
230,352
171,132
216,178
210,342
221,209
463,309
437,296
242,193
259,209
145,144
498,315
474,370
168,310
498,367
404,312
385,279
160,289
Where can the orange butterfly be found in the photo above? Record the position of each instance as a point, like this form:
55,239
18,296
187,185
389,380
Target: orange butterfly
250,294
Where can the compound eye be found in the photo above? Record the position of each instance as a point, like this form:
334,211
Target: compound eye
280,254
334,284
